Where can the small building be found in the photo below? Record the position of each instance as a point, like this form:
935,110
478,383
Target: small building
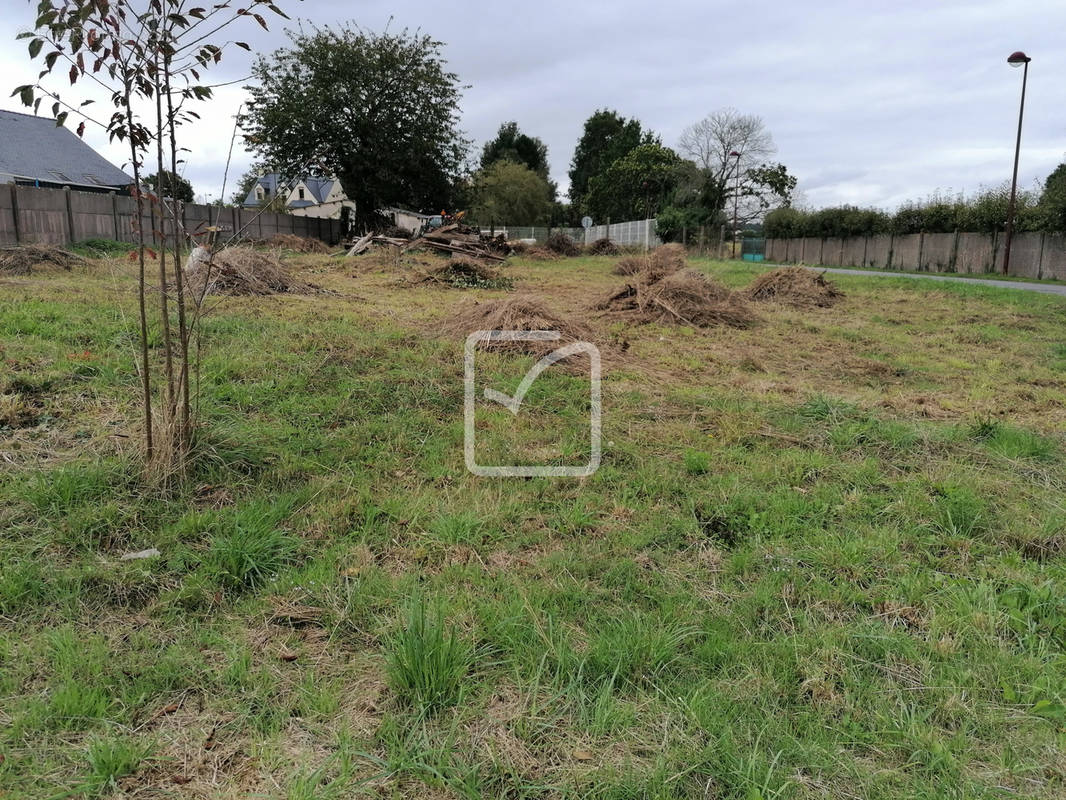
34,151
410,221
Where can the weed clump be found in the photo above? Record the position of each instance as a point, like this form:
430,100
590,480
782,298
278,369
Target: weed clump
16,411
795,286
427,663
96,248
467,273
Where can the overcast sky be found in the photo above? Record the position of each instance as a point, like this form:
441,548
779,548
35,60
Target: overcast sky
866,107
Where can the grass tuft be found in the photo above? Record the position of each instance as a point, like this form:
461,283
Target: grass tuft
427,663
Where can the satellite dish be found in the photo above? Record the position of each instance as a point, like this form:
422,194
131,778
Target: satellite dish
586,222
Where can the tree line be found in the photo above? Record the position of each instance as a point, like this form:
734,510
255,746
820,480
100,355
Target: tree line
984,212
381,112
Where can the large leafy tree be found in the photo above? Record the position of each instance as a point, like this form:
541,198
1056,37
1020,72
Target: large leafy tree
168,184
511,144
607,137
1053,200
636,185
379,111
510,193
733,152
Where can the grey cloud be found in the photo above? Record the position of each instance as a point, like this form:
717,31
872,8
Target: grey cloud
867,106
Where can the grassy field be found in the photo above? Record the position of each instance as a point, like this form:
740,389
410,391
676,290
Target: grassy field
824,556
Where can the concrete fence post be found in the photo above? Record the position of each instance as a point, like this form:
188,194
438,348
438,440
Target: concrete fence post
70,215
15,213
921,248
114,214
955,252
891,250
1040,259
821,251
995,244
865,248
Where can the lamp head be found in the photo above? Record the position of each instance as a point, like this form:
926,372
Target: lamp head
1018,58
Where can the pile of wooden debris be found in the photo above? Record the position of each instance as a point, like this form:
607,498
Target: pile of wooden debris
456,239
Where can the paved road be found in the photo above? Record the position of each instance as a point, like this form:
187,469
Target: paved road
1043,288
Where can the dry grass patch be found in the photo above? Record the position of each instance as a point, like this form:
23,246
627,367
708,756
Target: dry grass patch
523,313
298,244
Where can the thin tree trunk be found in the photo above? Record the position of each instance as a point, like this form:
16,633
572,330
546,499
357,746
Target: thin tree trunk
185,422
158,212
146,381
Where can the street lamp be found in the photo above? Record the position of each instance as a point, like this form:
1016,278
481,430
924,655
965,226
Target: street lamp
736,196
1017,59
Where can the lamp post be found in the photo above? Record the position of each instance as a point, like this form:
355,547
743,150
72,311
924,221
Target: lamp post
736,196
1018,59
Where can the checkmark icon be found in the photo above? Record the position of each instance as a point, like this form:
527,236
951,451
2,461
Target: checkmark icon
513,403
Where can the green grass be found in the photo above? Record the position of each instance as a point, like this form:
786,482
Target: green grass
823,557
995,275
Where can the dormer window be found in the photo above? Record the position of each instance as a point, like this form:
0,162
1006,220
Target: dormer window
259,193
301,194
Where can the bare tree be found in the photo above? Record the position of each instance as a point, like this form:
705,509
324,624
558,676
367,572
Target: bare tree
713,142
710,141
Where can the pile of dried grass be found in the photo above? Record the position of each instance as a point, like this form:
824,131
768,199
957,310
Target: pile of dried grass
795,286
562,245
465,273
602,247
655,266
683,297
522,313
668,258
630,265
243,271
21,260
537,253
518,247
298,244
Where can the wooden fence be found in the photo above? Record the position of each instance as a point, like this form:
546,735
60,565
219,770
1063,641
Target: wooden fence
29,214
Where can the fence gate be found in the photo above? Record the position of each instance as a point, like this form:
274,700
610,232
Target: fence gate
753,249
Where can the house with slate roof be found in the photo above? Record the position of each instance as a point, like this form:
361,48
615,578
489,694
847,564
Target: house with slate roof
318,197
34,151
308,196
